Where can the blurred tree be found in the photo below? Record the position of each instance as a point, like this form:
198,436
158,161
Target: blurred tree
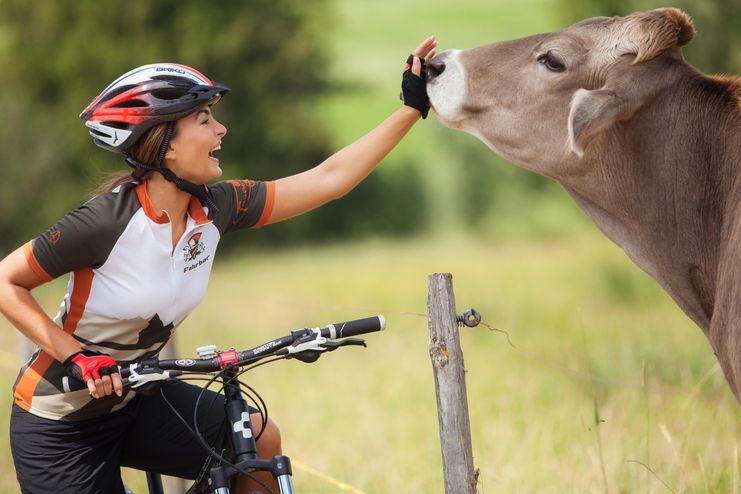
59,55
717,45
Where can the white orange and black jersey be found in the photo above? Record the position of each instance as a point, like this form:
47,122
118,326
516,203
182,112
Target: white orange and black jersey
128,288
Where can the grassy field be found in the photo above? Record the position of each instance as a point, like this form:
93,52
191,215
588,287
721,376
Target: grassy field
606,376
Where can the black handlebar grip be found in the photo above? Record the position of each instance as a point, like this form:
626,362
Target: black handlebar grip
354,328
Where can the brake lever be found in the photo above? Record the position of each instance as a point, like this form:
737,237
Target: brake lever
306,356
309,356
333,345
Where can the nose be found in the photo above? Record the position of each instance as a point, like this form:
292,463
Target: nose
434,69
436,66
220,130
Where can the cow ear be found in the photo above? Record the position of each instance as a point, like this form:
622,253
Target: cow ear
649,34
591,113
628,88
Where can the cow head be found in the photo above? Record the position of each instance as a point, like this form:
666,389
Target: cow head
539,101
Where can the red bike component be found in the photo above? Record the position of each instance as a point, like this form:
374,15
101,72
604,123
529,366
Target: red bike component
227,358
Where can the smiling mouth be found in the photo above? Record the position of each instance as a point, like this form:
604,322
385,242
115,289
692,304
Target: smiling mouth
211,153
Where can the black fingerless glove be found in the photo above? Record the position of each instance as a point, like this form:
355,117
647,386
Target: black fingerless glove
413,88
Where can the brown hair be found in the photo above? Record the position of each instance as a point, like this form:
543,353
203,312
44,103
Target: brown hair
145,149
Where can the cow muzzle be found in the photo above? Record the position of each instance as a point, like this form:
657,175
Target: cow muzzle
434,69
446,87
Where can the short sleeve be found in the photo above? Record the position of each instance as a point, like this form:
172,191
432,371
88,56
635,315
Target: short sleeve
81,239
242,204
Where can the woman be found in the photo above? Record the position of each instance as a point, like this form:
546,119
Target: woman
140,256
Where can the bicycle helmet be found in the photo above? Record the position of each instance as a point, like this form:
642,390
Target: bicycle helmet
144,97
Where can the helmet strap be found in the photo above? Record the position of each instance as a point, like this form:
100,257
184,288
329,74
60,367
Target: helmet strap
201,192
169,130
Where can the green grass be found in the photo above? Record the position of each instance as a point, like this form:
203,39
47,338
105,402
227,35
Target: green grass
583,344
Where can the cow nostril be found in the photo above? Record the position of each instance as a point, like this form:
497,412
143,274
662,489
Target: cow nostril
434,69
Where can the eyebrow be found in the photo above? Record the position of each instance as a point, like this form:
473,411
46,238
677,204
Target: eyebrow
207,111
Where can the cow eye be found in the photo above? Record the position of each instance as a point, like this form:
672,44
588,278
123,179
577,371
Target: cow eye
551,63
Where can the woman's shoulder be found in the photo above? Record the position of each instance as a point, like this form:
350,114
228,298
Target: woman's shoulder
122,197
108,210
240,203
85,236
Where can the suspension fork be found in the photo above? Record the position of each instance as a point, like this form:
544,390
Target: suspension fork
244,445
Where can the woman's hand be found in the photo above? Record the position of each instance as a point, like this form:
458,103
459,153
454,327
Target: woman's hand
338,174
98,370
413,81
426,52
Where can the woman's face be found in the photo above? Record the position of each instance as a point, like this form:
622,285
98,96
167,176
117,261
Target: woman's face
197,137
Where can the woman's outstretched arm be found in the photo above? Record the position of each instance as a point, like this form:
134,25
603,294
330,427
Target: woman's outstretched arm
341,172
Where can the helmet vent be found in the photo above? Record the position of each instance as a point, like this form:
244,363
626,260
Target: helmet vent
168,93
118,125
99,133
165,77
116,92
132,103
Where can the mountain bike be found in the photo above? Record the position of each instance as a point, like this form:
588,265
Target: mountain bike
306,345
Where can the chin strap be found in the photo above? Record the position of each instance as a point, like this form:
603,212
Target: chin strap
200,192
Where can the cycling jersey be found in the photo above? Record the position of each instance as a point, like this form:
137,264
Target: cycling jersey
128,288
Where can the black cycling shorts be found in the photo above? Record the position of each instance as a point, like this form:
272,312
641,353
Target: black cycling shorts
84,457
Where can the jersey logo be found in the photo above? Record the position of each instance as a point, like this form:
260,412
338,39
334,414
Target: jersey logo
194,247
243,192
54,236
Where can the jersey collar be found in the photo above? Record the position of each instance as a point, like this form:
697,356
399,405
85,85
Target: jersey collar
195,209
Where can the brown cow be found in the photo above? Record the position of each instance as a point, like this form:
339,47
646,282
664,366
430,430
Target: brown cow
645,144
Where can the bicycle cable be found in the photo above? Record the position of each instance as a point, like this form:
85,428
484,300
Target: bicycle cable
252,395
199,437
196,433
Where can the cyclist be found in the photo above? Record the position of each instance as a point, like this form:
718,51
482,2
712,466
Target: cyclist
140,256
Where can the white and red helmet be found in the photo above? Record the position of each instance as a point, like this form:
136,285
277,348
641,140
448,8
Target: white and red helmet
144,97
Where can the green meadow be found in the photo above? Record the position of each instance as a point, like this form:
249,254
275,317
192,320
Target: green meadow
605,387
585,377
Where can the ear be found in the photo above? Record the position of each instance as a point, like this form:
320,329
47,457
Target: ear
591,113
649,34
627,89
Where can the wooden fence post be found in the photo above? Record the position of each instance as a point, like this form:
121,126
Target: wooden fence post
450,386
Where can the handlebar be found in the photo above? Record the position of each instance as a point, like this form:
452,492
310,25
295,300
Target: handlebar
305,340
354,328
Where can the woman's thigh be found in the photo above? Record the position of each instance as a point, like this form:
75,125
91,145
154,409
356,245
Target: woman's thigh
160,439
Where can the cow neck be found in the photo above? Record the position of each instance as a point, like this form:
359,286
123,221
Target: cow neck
645,200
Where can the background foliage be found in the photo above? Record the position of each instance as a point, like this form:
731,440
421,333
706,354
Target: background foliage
59,55
304,85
